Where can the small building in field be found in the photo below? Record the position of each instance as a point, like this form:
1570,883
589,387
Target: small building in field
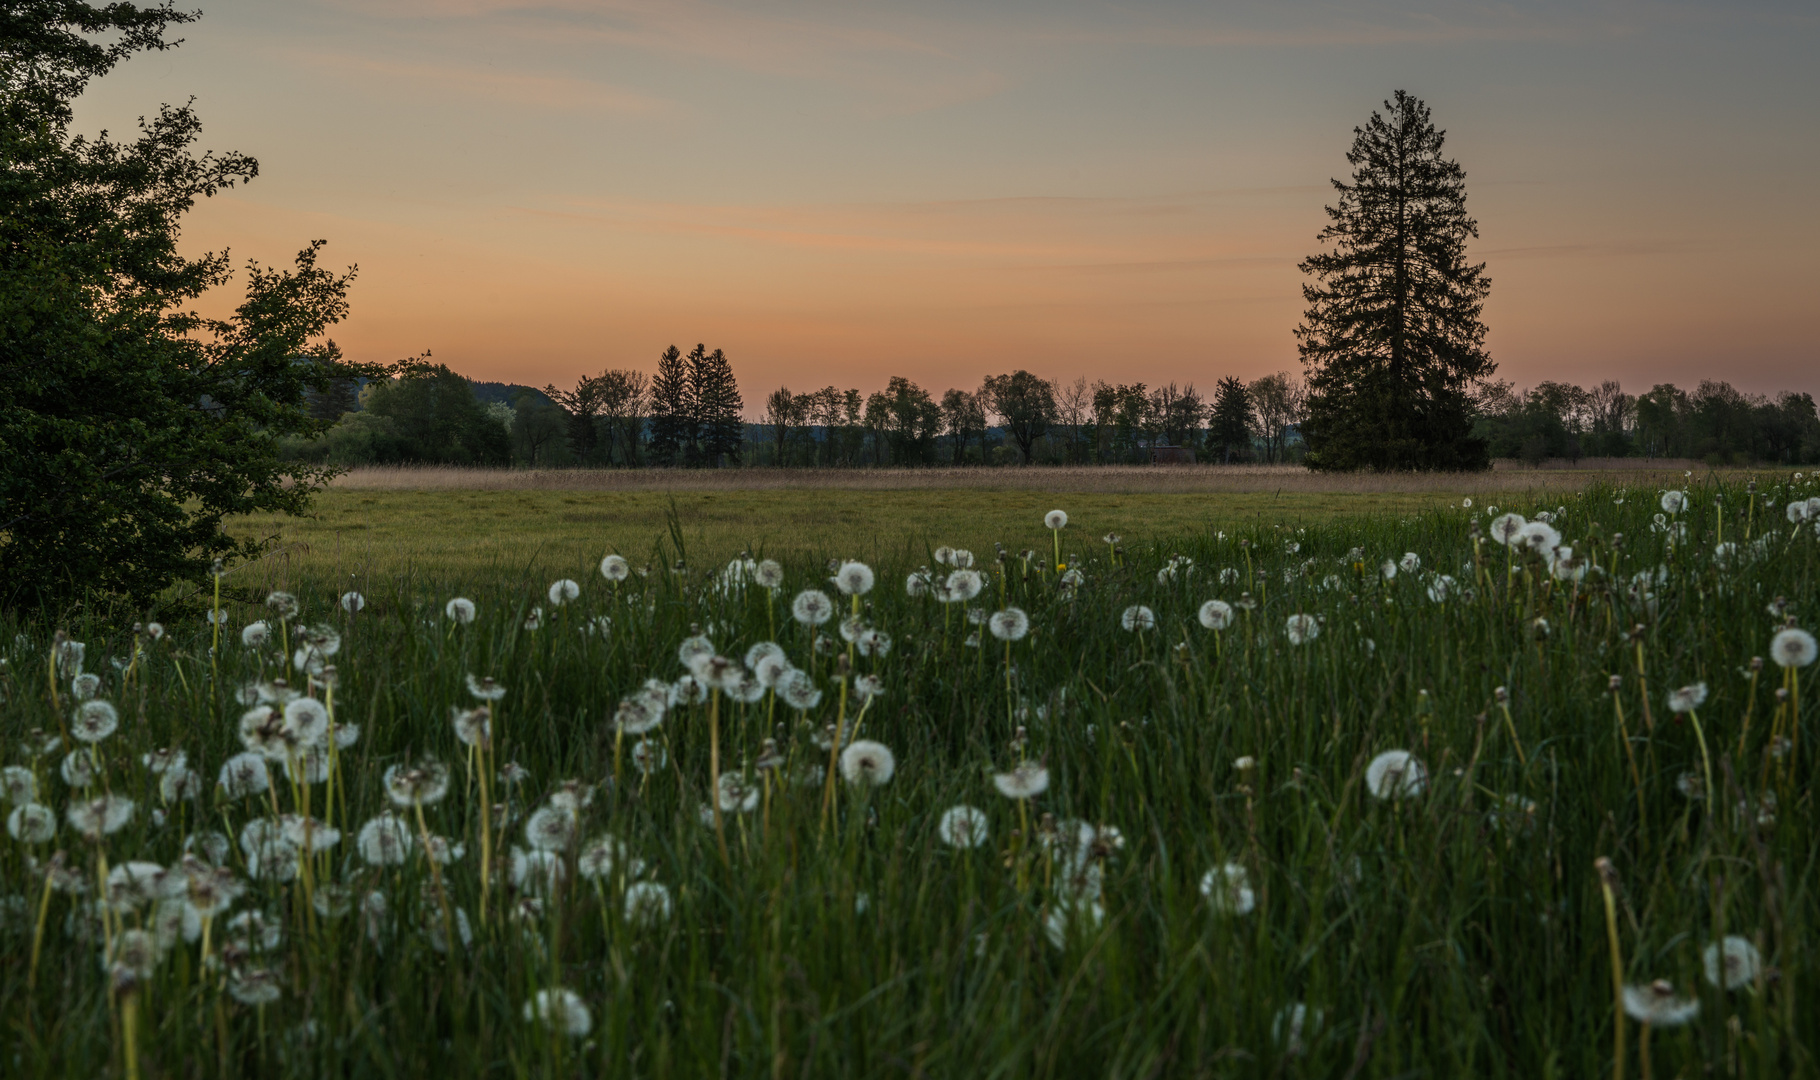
1164,454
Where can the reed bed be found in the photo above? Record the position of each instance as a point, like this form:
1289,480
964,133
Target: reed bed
1391,795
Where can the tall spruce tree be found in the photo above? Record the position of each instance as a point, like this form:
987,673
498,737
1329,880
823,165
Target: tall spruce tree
672,410
1232,421
719,428
1392,339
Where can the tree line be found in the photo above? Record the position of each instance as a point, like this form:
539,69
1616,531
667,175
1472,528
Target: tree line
688,414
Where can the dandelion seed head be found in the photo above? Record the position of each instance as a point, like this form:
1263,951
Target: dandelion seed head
1055,519
254,985
244,775
563,590
306,722
30,823
473,727
1731,964
282,604
853,578
78,769
421,784
615,568
1657,1004
1302,629
85,686
648,904
352,602
94,721
1396,774
385,840
1687,698
460,610
963,827
1010,624
738,795
19,784
963,585
100,816
1793,647
799,691
1027,781
1507,529
1442,586
812,607
1228,890
550,829
1673,502
867,763
562,1011
1137,617
485,689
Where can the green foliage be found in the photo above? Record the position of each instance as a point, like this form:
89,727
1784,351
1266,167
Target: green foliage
1459,932
1392,338
130,425
437,418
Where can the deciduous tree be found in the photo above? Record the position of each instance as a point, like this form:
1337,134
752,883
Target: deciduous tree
130,425
1025,404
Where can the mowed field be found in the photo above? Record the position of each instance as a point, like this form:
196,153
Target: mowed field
445,523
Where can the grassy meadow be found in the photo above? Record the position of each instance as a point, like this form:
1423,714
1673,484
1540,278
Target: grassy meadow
524,527
1008,819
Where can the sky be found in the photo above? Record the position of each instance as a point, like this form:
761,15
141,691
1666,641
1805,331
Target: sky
835,193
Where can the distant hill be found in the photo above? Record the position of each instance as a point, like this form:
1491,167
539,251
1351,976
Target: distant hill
506,393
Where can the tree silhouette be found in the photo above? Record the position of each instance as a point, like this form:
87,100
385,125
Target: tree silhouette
1232,422
719,426
672,409
1392,339
1024,403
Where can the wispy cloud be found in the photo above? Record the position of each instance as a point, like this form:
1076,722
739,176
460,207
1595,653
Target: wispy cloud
555,92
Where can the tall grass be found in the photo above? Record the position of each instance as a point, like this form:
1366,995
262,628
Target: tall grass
1460,931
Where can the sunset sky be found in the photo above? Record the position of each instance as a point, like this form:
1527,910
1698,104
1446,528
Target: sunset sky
838,193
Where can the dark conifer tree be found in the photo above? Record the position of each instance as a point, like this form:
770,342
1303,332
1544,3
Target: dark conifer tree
1232,421
719,426
1392,339
672,409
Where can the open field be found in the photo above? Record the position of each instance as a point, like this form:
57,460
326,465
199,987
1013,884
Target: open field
529,526
1207,865
1107,480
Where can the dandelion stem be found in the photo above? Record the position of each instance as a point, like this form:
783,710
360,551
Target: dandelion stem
1750,706
44,910
720,831
1630,753
840,729
129,1023
1706,761
1606,874
1511,726
486,822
